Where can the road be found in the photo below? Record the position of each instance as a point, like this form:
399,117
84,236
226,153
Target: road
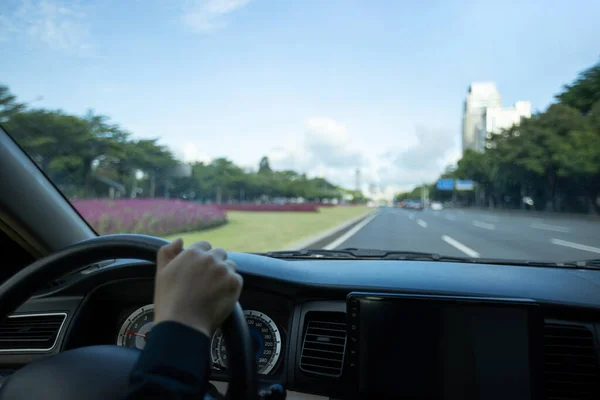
477,233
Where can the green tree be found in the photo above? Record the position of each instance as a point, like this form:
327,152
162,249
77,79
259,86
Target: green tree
84,154
8,104
263,166
551,157
584,92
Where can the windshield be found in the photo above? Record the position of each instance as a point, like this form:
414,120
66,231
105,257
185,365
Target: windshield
470,129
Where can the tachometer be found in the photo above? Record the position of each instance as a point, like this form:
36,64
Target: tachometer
136,328
266,340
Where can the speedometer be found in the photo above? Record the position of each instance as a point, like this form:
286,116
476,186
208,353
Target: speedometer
266,341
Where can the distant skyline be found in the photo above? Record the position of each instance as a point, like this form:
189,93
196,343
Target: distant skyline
322,87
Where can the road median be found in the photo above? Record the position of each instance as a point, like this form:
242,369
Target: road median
265,231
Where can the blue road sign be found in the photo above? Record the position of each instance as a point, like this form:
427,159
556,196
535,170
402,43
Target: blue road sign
445,184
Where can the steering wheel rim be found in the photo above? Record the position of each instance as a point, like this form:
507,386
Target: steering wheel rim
21,286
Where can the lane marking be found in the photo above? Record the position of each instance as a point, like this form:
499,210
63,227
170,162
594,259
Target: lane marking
575,245
411,216
455,243
484,225
333,245
422,223
547,227
450,217
534,220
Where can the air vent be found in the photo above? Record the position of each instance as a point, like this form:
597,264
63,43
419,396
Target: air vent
570,362
324,343
31,332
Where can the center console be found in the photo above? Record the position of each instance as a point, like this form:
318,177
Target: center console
438,347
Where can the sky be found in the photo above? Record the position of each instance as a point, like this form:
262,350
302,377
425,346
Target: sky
324,87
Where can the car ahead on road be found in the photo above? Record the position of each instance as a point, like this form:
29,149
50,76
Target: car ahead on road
436,206
344,323
416,205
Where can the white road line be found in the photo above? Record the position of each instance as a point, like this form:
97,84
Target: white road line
450,217
422,223
455,243
547,227
534,220
411,216
484,225
350,233
575,245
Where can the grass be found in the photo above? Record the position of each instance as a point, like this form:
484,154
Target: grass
263,231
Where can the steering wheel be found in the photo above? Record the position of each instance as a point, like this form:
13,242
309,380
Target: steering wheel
102,372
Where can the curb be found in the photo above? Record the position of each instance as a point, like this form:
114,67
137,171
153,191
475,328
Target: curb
330,234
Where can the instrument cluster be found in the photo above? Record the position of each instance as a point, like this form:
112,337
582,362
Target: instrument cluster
267,323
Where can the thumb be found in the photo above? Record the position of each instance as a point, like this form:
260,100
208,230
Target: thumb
168,252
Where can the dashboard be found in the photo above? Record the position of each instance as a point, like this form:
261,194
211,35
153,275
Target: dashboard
355,328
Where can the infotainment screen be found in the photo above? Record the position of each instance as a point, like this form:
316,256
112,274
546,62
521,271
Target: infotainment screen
404,346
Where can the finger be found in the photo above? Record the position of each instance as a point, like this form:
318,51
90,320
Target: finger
168,252
218,254
201,245
231,265
236,284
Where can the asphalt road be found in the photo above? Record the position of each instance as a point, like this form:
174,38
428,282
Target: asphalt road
478,233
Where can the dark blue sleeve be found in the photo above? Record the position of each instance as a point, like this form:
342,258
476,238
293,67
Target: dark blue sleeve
175,364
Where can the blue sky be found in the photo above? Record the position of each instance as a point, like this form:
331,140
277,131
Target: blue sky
320,86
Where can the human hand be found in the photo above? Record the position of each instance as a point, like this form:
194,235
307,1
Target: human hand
197,287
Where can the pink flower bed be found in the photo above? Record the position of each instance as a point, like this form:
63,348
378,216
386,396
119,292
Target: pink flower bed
157,217
322,204
303,207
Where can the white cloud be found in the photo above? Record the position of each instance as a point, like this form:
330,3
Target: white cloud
326,149
328,142
207,15
191,153
51,23
423,162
